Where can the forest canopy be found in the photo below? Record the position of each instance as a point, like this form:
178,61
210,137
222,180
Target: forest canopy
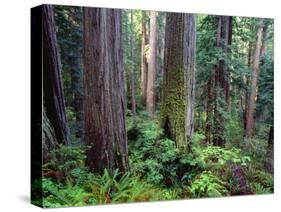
147,105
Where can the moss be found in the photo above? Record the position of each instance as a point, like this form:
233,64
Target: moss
173,105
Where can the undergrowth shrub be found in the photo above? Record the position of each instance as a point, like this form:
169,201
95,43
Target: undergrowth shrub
256,148
206,184
216,158
99,189
65,161
256,176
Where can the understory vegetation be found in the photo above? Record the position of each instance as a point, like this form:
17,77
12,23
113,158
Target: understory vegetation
158,171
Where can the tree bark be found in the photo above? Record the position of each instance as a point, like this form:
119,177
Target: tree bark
222,81
104,105
143,60
132,66
177,106
209,110
49,140
189,67
152,65
52,83
249,63
253,91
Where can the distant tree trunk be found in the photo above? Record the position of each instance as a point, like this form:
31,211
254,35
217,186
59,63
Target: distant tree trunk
143,60
77,89
132,66
75,63
104,105
52,83
209,110
152,65
189,67
253,91
177,106
162,49
222,81
264,44
249,62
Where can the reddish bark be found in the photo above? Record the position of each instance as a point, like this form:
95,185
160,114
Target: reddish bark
52,84
104,105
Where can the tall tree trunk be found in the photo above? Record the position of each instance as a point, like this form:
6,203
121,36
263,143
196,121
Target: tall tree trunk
209,110
52,83
162,49
178,80
189,67
104,105
264,44
249,63
152,65
253,91
143,60
132,66
222,81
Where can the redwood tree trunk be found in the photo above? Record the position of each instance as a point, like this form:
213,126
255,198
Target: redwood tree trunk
53,90
104,106
254,79
177,106
189,67
132,66
143,60
152,65
222,81
209,111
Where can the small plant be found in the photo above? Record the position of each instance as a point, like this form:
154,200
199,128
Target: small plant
63,160
207,184
258,176
259,189
109,189
215,158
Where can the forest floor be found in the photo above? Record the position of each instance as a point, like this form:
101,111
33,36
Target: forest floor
158,171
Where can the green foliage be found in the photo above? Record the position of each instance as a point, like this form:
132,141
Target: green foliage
154,160
207,184
102,189
215,158
126,188
259,189
55,195
256,148
65,159
233,130
257,176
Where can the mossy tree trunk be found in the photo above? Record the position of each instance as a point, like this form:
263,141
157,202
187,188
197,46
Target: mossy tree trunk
52,83
177,106
104,105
